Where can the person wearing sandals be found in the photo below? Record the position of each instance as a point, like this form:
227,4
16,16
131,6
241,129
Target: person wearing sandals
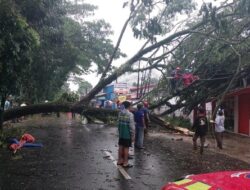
126,127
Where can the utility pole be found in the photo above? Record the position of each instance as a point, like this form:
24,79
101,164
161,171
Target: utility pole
138,81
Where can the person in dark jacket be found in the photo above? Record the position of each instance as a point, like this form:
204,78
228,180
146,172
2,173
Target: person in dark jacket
201,128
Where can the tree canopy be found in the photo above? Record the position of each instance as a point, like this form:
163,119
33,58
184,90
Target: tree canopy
208,42
213,42
16,44
43,42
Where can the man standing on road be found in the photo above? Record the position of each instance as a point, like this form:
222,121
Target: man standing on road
201,127
139,127
7,104
146,116
219,128
126,129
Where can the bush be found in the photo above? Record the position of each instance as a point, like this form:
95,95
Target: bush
179,121
10,133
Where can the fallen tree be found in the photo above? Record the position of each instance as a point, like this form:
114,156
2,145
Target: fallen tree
206,28
55,107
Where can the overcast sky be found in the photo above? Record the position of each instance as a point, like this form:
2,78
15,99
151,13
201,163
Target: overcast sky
112,12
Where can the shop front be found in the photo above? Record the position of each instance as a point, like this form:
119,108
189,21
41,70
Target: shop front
237,111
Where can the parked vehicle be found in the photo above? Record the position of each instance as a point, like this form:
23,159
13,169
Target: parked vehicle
226,180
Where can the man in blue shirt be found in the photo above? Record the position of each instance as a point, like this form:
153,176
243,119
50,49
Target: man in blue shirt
139,127
146,116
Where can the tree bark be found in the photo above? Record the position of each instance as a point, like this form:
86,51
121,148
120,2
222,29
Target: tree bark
56,107
1,119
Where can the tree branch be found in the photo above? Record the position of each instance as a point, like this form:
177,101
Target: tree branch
132,13
222,96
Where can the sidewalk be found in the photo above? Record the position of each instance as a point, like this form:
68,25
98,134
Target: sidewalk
234,145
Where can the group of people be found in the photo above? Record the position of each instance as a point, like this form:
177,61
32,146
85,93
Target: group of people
201,127
132,126
131,129
10,103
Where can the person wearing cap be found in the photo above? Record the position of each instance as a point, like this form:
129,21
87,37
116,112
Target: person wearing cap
201,127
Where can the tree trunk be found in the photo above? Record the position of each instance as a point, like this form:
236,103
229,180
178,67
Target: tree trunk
1,119
56,107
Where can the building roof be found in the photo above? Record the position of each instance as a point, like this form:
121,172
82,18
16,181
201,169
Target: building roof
238,92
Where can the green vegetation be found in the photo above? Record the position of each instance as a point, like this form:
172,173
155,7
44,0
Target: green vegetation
10,132
69,97
42,44
179,122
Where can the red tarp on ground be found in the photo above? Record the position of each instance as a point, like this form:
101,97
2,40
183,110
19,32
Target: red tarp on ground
25,138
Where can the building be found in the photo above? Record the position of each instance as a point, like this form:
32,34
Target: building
138,92
236,107
237,111
112,92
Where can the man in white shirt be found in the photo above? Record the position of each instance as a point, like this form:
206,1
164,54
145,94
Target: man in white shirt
219,128
7,103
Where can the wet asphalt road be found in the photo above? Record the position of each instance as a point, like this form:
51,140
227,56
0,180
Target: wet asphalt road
73,157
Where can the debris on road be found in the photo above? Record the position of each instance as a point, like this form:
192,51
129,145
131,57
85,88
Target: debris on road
27,140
